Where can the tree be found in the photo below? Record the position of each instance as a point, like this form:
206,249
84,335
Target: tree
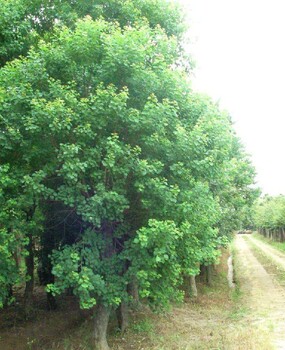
121,169
269,217
23,22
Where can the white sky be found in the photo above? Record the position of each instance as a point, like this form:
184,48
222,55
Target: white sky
239,49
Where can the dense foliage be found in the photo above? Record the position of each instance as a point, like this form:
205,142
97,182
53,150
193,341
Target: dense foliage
114,173
269,213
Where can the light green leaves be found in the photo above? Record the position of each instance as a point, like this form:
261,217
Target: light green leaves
101,132
269,213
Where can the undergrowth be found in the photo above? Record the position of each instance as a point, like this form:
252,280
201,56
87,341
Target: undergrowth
215,320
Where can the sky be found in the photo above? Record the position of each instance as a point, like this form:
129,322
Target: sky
239,49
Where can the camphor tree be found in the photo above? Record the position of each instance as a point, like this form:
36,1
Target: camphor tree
31,21
109,159
23,23
269,217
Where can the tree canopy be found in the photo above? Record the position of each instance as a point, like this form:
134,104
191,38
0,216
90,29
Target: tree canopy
111,166
269,213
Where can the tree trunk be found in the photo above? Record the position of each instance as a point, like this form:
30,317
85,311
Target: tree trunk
133,290
30,265
123,316
102,312
28,295
193,287
51,302
102,315
8,297
263,231
203,272
17,257
209,272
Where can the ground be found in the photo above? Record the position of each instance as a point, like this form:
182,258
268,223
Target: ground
249,316
264,295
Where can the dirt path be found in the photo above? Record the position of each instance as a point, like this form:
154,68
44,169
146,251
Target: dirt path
277,256
265,297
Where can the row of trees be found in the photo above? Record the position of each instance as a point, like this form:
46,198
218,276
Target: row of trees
269,217
117,177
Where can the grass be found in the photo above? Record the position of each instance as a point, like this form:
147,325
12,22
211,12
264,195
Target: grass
278,245
216,320
246,334
239,309
144,326
270,266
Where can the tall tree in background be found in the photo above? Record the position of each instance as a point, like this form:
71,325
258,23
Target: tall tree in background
269,217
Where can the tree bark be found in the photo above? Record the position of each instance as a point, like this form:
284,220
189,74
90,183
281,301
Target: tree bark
209,272
193,287
9,296
123,316
51,302
102,315
133,290
102,312
30,265
203,272
28,295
